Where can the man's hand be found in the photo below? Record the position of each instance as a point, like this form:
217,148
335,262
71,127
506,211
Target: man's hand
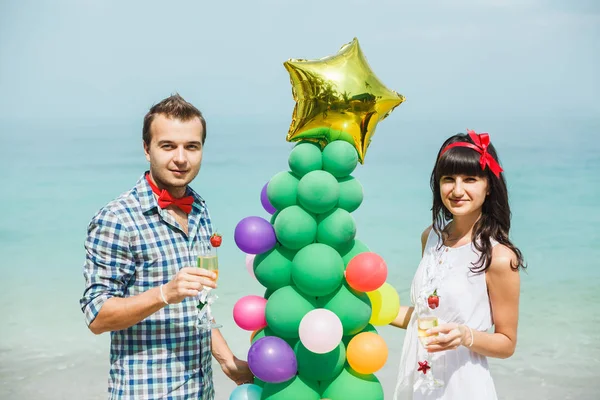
238,371
188,282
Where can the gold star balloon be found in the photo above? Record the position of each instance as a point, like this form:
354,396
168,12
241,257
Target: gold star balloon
338,98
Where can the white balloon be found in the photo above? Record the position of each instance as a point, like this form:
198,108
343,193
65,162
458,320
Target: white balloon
250,264
321,331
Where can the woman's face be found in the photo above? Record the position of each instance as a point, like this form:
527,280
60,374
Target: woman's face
463,194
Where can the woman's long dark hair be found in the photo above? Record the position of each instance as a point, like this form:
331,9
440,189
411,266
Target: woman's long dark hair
495,216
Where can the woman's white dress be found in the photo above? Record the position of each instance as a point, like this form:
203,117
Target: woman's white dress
463,299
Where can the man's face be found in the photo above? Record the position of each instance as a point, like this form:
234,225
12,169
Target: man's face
175,151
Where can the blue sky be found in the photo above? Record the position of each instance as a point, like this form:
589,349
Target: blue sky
83,59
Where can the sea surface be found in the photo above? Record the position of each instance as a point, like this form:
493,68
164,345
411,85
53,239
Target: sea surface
56,174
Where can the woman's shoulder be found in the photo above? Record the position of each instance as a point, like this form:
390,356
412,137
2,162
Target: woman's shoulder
503,275
425,236
503,259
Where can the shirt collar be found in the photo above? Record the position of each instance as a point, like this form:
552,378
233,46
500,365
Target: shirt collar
148,200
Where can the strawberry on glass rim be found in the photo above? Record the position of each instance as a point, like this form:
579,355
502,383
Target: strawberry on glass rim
216,240
433,301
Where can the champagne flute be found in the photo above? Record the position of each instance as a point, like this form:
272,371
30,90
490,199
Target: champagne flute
424,324
209,260
427,321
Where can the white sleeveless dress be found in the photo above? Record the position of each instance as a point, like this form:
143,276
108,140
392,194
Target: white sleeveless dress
463,299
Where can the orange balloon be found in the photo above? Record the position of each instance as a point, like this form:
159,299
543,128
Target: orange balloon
367,353
253,334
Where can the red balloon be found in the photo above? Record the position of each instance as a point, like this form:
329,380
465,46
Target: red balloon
366,272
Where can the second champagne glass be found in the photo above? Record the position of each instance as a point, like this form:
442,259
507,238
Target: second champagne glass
209,261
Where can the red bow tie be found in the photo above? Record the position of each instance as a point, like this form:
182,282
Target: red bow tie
165,199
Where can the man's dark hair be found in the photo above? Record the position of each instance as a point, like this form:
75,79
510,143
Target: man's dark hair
174,107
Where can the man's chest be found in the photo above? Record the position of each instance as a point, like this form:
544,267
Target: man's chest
160,249
182,221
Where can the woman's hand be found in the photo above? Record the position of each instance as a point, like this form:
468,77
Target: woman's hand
450,336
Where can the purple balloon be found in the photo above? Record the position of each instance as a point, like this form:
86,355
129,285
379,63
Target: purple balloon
255,235
272,360
264,199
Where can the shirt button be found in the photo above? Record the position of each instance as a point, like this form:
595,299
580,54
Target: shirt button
446,249
440,261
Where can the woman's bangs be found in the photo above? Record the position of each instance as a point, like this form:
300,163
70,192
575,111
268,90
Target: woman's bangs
459,161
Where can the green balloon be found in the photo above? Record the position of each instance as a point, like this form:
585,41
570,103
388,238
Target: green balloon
339,158
317,269
268,293
266,331
285,309
320,367
336,228
273,269
350,385
353,249
304,158
297,388
353,308
259,383
369,328
274,217
318,192
351,193
282,190
295,228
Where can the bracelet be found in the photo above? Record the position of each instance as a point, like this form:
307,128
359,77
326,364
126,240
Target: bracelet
472,338
163,296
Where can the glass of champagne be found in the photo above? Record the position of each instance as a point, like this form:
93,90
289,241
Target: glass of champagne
209,260
425,321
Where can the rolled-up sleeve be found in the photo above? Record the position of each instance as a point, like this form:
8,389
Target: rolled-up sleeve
109,263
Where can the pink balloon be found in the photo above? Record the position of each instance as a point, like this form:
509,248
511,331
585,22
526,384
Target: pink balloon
249,312
321,331
250,264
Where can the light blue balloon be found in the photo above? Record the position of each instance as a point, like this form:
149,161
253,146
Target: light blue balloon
246,391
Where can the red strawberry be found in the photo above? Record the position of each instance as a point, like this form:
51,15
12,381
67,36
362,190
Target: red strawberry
433,300
216,240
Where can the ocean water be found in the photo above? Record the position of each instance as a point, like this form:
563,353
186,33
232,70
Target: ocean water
57,174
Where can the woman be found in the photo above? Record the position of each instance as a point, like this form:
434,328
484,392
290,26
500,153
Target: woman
466,282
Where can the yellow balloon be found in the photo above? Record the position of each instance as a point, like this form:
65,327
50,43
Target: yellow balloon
385,304
338,97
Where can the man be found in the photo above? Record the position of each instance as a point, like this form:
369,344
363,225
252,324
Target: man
141,282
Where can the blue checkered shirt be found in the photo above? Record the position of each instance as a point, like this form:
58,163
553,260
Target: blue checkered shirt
132,246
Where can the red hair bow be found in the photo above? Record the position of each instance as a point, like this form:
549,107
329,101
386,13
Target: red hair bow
482,141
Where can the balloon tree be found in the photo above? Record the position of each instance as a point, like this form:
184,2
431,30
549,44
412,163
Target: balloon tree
313,331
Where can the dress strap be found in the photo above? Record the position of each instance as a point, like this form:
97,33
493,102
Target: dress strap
432,239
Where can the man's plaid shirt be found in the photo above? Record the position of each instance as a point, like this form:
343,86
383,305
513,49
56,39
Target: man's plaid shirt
132,246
